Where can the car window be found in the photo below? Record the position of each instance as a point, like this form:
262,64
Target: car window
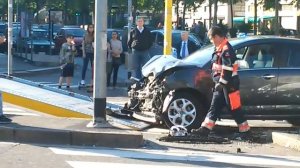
240,52
160,39
201,57
259,56
75,32
293,56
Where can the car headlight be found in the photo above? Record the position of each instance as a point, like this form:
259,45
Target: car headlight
52,47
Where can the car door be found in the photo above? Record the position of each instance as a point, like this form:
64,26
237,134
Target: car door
258,78
157,47
288,97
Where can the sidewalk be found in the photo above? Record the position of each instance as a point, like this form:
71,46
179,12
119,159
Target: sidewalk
33,127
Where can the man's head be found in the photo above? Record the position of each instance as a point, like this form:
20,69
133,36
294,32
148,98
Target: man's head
216,35
140,22
184,36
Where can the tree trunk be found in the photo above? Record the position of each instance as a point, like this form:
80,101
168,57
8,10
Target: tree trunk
255,18
276,18
231,13
183,16
209,6
215,12
177,12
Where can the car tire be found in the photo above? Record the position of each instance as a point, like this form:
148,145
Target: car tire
295,122
193,105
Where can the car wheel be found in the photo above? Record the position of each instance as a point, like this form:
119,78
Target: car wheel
294,122
184,109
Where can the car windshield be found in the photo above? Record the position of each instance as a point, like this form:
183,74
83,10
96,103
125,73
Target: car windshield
38,35
75,32
202,56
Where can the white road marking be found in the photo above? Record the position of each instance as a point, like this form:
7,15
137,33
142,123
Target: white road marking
8,143
12,109
78,164
182,155
21,113
17,111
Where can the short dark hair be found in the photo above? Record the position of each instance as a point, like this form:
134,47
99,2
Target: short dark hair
216,30
69,36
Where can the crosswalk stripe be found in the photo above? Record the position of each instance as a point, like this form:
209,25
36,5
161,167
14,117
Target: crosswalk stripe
17,111
184,156
78,164
20,113
12,109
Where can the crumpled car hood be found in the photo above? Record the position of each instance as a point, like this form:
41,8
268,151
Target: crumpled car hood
161,63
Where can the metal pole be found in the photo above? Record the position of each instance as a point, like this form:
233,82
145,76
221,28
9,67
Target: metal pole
130,20
100,50
10,20
168,28
255,18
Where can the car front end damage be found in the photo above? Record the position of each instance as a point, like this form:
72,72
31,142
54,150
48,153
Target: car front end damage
146,99
167,95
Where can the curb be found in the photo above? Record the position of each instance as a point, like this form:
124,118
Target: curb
69,137
288,140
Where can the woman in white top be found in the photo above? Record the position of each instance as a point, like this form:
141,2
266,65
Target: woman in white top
115,52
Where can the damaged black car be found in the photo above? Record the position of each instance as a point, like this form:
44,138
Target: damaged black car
178,92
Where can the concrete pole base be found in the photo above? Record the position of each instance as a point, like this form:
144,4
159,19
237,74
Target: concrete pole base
99,124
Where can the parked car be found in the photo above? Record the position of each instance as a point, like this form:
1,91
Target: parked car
54,28
38,41
78,34
289,33
178,92
158,45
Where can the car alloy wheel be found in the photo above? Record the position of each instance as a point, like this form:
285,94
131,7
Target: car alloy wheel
182,112
184,109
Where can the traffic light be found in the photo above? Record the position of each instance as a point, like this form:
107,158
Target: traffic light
77,14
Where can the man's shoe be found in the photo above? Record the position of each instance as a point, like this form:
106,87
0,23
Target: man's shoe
202,131
4,120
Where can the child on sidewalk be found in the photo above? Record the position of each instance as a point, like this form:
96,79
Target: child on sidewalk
67,54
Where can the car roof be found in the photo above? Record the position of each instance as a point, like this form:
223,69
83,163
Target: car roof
71,28
38,29
258,38
162,31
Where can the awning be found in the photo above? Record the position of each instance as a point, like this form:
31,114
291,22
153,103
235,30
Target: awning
251,19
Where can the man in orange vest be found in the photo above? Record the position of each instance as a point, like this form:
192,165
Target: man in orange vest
226,90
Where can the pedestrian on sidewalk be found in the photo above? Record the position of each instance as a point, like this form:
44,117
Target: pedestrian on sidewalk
140,41
67,54
87,51
115,51
226,91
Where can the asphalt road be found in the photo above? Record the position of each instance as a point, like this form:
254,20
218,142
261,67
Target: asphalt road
16,155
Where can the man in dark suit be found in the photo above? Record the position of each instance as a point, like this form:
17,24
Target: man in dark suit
185,47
